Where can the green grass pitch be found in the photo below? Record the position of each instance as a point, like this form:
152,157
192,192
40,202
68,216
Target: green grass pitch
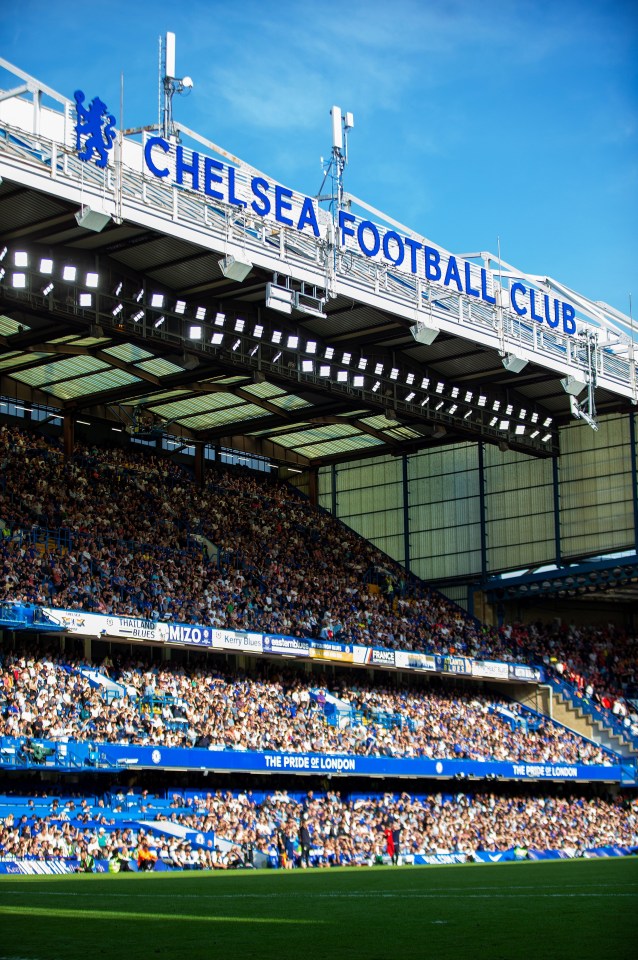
566,909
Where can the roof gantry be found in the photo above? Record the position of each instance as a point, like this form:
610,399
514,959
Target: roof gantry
317,352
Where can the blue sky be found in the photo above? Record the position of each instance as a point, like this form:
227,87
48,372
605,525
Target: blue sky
474,119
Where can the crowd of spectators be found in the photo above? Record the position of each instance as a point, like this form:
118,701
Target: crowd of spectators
205,705
124,532
238,829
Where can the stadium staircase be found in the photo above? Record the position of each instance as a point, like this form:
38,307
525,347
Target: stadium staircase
584,718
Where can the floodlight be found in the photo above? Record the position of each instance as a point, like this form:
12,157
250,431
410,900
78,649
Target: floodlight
439,404
376,385
324,370
358,381
293,342
468,396
118,290
454,393
21,258
46,265
534,434
394,373
19,281
117,309
180,306
136,317
69,273
307,366
330,352
342,376
378,369
276,336
547,421
520,429
220,318
195,332
277,356
453,409
234,269
410,396
216,339
363,363
92,280
439,387
157,300
3,253
493,421
313,306
139,294
200,313
482,400
92,219
236,344
159,321
547,437
468,414
346,358
311,346
254,350
504,425
47,290
86,299
496,406
522,414
509,410
409,379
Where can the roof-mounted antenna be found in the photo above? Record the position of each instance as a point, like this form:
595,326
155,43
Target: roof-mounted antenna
170,84
341,124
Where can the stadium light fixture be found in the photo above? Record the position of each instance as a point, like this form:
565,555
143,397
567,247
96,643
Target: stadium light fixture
279,298
292,343
195,332
157,300
21,258
180,307
307,366
159,321
46,265
358,381
3,253
217,339
394,373
236,344
276,336
330,352
363,363
92,280
69,273
136,317
19,281
258,331
85,300
239,324
277,356
200,313
378,369
342,376
409,379
411,395
46,290
376,385
311,346
324,370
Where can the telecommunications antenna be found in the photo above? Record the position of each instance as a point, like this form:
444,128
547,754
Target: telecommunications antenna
170,84
341,124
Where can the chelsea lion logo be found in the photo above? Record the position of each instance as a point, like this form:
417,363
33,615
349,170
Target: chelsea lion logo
156,756
96,127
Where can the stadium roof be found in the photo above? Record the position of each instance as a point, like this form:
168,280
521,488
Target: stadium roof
122,294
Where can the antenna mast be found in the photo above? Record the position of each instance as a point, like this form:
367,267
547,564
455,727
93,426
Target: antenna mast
170,85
